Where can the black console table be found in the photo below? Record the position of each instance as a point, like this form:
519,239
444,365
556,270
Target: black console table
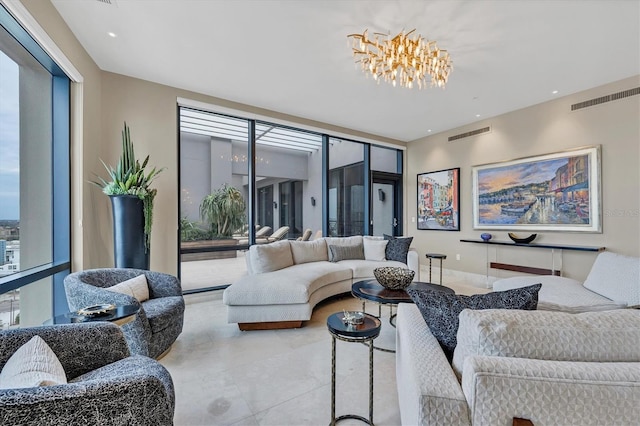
529,269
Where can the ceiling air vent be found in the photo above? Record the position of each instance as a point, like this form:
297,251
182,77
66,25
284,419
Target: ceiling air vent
471,133
105,1
607,98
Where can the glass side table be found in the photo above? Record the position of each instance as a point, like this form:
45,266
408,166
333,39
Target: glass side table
359,333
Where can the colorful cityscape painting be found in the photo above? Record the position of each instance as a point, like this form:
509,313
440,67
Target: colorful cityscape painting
551,192
438,200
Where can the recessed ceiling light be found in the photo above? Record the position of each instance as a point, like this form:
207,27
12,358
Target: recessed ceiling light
554,92
429,131
114,35
477,115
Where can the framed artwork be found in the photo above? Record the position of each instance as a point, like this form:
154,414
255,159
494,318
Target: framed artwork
439,200
552,192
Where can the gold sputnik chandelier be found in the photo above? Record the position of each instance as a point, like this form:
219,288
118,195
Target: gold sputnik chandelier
406,59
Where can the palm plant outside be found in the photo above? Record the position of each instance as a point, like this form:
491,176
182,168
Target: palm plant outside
224,211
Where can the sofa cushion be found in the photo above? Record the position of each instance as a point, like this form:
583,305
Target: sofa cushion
397,248
441,310
286,286
33,364
611,336
342,241
309,251
364,268
270,257
560,294
339,253
163,311
136,287
616,277
374,248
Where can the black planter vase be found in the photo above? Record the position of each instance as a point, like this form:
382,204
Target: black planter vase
128,232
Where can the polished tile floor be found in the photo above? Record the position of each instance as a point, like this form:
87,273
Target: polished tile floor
278,377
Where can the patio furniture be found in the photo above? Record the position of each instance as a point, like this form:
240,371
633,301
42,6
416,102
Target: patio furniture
279,234
159,321
306,235
104,384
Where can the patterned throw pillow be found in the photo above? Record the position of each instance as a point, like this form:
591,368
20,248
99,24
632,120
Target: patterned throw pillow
339,253
397,248
441,310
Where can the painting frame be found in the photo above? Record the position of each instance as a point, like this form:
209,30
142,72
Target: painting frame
438,200
569,200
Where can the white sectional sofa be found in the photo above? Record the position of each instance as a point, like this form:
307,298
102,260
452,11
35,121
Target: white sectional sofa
286,279
612,283
552,368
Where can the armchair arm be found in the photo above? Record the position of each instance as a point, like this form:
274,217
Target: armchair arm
551,392
162,285
428,390
413,262
133,391
79,347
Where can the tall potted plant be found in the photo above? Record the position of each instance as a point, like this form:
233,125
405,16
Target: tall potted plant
132,205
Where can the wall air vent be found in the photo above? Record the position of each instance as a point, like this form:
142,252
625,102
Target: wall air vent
607,98
471,133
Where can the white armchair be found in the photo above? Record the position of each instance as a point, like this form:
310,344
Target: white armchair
552,368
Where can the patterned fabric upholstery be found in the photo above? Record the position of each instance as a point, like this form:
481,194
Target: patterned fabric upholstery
165,306
609,336
551,392
106,385
441,310
602,390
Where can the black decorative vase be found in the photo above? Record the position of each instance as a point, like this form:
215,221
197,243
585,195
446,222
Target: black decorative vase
128,232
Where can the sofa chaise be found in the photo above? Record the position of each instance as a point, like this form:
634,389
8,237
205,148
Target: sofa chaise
552,368
612,283
286,279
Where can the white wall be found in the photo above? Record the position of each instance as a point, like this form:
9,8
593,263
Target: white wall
540,129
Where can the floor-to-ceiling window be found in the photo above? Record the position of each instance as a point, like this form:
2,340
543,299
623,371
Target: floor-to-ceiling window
280,173
346,188
34,179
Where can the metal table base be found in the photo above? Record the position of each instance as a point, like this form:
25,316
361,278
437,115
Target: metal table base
351,339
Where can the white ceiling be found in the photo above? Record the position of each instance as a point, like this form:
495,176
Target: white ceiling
293,56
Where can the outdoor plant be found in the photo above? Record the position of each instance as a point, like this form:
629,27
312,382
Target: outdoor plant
130,178
224,211
191,231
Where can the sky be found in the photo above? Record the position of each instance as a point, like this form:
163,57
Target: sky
9,140
496,178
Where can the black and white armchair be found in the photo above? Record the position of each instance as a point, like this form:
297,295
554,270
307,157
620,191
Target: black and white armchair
105,386
160,318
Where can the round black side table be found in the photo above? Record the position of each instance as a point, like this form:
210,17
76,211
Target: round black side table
431,256
360,333
121,315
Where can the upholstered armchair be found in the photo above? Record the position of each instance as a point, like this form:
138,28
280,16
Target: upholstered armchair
105,384
159,321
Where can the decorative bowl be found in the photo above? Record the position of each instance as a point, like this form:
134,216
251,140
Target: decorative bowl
485,236
353,317
519,240
394,277
97,310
